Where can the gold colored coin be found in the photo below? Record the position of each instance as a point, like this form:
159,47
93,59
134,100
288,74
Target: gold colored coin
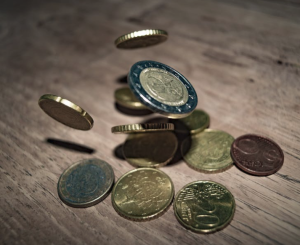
208,151
150,150
66,112
196,122
204,206
142,127
140,39
142,194
126,98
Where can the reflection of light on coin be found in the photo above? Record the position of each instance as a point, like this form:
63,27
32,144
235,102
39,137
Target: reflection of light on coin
248,146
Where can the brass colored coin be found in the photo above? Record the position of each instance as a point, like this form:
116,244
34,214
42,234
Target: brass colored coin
142,194
150,150
208,151
204,206
140,39
126,98
142,127
196,122
66,112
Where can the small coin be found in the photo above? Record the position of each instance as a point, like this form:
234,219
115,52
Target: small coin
150,150
140,39
162,89
126,98
66,112
257,155
142,194
142,127
204,206
85,183
208,151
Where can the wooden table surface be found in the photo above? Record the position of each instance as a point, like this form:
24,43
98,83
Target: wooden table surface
243,58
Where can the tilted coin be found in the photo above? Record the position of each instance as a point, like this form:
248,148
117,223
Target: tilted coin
142,127
257,155
204,206
150,150
66,112
162,89
142,194
85,183
140,39
126,98
208,151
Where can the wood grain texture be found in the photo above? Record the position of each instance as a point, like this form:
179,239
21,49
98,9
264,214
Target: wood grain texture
242,58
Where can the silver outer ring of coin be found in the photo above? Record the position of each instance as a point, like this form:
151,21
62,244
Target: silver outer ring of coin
97,199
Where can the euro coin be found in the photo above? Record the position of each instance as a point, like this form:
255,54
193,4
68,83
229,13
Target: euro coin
66,112
162,89
126,98
204,206
142,127
142,194
85,183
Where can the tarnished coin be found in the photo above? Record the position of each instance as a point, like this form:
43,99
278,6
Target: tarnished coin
140,39
142,194
85,183
257,155
204,206
142,127
126,98
208,151
66,112
150,150
162,89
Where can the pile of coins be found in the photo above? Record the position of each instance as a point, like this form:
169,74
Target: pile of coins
146,192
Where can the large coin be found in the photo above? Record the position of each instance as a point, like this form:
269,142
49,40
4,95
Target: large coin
162,89
66,112
150,150
208,151
142,194
257,155
204,206
126,98
140,39
142,127
85,183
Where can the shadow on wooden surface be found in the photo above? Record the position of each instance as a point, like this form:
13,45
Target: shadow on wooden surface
122,79
118,152
70,146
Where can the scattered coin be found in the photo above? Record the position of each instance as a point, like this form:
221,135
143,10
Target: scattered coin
257,155
150,150
66,112
142,194
162,89
85,183
140,39
204,206
126,98
208,151
142,127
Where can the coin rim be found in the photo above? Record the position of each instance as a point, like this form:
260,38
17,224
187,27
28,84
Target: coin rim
137,105
142,128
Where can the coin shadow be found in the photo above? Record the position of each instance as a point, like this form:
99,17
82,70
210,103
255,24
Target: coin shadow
70,146
118,152
122,79
132,112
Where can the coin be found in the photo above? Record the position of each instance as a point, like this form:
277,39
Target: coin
126,98
257,155
162,89
142,127
66,112
140,39
85,183
142,194
204,206
208,151
150,150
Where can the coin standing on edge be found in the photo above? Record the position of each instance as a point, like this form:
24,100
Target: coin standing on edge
142,194
204,206
66,112
85,183
162,89
142,127
257,155
140,39
126,98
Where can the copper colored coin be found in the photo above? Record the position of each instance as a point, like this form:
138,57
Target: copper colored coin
257,155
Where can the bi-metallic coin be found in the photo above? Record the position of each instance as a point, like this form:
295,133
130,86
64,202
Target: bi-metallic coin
142,127
126,98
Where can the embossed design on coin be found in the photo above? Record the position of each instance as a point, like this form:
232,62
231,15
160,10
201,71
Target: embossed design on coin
257,155
142,194
204,206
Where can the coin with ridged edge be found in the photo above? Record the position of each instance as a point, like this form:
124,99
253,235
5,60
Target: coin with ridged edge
142,127
85,183
162,89
126,98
